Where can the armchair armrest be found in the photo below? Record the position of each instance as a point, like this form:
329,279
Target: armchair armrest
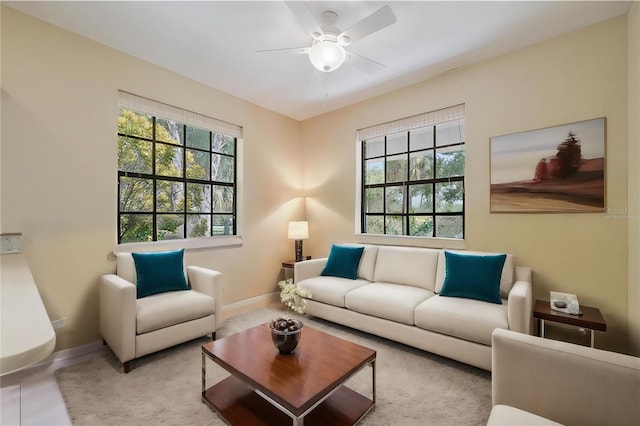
567,383
118,315
209,282
520,302
308,268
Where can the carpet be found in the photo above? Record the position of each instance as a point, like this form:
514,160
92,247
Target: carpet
413,387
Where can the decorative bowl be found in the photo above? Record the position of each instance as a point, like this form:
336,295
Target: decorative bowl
285,334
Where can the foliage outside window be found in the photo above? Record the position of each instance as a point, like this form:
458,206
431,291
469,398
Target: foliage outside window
413,182
174,180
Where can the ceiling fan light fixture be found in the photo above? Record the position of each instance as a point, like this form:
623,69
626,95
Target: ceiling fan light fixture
327,55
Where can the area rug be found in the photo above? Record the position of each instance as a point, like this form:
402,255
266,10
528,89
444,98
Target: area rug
413,387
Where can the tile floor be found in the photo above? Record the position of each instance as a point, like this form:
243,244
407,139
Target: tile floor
31,397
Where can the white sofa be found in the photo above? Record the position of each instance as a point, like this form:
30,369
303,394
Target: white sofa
396,296
539,381
135,327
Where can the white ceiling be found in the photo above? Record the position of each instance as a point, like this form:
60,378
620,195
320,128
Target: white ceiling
215,43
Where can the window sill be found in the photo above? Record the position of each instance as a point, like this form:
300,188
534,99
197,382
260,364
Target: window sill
403,240
203,243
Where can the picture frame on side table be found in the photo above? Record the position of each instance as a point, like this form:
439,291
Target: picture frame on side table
555,169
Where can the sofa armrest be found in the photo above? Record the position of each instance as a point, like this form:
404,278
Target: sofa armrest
209,282
308,268
564,382
520,302
118,315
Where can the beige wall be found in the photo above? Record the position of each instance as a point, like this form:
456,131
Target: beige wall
58,162
574,77
634,178
58,151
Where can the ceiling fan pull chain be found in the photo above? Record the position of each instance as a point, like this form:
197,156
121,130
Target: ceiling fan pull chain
326,91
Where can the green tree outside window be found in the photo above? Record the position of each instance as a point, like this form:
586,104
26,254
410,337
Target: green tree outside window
174,180
413,182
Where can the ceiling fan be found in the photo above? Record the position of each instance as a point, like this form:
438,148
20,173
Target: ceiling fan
327,51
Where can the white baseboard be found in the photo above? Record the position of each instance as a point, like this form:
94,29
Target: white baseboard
250,304
75,351
55,357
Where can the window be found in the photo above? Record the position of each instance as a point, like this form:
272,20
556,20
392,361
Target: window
413,176
176,177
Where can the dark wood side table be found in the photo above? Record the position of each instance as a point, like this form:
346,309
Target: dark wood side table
590,319
288,267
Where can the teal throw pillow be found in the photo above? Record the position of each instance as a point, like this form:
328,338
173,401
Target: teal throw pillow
473,276
159,272
343,262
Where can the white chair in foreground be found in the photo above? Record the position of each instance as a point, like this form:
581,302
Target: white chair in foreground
135,326
539,381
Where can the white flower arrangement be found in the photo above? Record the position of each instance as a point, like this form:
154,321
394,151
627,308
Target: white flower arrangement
292,295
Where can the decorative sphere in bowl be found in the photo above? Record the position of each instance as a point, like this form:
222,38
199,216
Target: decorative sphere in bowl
285,334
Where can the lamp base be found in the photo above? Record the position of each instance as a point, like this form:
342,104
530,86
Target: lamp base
299,250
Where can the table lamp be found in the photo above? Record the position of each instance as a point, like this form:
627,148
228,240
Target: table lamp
298,231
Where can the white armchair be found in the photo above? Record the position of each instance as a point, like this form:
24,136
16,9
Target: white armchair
538,381
136,327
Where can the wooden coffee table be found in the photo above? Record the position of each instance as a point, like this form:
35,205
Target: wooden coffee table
267,388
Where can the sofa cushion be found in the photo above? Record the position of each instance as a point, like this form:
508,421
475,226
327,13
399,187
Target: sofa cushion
159,272
466,319
367,261
331,290
506,279
389,301
407,265
165,309
473,276
343,262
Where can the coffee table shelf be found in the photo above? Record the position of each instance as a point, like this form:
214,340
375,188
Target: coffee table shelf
304,388
239,405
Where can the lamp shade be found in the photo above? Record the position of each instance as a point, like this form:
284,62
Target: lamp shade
327,55
298,230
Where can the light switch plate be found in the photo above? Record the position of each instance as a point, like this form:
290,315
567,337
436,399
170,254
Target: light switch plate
11,243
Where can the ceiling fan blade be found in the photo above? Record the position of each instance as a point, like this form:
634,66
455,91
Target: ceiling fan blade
294,50
364,64
305,18
372,23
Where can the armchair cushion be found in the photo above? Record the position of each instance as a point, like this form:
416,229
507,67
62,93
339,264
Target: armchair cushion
504,415
159,272
170,308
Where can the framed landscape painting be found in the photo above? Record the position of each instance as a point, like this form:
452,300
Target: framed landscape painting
557,169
